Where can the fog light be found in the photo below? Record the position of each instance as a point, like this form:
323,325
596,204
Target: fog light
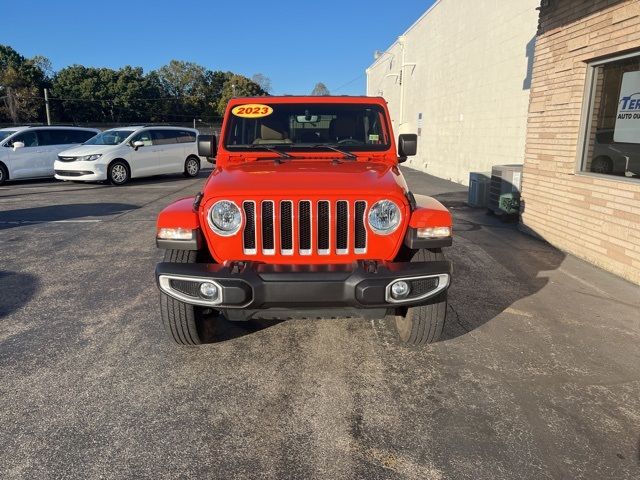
434,232
209,291
400,289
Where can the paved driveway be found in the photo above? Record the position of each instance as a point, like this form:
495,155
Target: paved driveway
538,376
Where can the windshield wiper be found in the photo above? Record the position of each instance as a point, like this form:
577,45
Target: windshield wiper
274,150
346,154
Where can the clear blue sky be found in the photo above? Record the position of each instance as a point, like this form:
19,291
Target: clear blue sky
295,43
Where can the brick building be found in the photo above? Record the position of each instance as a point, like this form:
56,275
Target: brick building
581,181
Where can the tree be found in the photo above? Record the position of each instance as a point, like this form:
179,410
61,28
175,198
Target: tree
263,81
237,86
320,89
21,83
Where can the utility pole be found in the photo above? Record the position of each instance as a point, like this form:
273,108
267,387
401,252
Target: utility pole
46,105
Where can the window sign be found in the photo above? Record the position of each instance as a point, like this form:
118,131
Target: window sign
611,140
627,127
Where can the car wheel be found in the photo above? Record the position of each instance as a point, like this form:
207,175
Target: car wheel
602,165
191,167
118,173
4,175
182,321
422,324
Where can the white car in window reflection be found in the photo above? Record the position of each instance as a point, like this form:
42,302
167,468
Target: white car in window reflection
615,158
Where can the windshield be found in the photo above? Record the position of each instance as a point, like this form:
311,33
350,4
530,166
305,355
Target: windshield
109,137
350,127
5,133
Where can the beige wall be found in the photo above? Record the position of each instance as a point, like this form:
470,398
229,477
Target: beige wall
470,81
593,217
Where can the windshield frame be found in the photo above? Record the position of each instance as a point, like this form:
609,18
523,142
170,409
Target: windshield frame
8,133
315,146
90,141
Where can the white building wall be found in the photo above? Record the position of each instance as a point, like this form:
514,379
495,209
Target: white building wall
467,70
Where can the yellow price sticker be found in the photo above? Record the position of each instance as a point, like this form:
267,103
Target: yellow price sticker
252,110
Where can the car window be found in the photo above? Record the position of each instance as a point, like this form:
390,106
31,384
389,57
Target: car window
144,137
51,137
30,139
186,136
79,136
5,133
164,137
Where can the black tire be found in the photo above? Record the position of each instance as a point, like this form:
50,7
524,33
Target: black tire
180,319
118,173
191,167
422,324
602,165
4,174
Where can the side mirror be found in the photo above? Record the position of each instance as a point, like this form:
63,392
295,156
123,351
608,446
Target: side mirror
137,144
407,146
17,145
208,147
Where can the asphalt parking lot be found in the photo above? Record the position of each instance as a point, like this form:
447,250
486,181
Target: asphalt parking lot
538,377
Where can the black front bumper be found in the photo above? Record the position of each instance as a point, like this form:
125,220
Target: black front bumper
257,286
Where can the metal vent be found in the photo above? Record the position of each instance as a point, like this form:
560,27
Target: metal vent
286,227
360,243
249,234
304,228
342,227
324,229
268,239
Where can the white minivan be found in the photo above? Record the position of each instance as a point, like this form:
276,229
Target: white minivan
122,153
30,152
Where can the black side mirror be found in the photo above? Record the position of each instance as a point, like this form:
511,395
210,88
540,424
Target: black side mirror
407,146
208,147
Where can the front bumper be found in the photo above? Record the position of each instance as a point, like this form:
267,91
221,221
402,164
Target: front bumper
245,285
80,171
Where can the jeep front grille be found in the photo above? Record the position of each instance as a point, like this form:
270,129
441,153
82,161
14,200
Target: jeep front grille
303,227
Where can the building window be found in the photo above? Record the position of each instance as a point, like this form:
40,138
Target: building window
612,133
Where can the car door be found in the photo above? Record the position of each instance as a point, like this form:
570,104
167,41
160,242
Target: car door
52,141
169,157
26,162
141,159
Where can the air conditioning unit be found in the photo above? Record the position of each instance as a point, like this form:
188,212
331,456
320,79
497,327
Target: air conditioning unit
504,191
479,189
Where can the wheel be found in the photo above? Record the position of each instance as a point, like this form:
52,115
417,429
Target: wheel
422,324
4,175
602,165
118,173
191,167
180,319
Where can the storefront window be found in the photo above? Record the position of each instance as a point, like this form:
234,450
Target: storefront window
612,140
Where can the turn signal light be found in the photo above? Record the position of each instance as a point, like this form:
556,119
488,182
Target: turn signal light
175,234
434,232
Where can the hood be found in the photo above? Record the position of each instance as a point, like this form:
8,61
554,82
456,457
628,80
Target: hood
305,177
87,150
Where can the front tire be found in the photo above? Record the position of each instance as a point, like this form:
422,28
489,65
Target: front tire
118,173
422,324
4,174
180,319
191,167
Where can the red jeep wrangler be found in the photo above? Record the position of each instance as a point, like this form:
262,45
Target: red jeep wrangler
306,214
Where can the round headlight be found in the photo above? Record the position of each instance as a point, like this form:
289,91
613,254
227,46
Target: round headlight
225,218
384,217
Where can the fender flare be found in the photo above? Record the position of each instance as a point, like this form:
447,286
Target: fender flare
180,214
428,212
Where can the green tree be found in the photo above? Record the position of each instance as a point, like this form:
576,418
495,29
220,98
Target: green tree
237,86
21,83
320,89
